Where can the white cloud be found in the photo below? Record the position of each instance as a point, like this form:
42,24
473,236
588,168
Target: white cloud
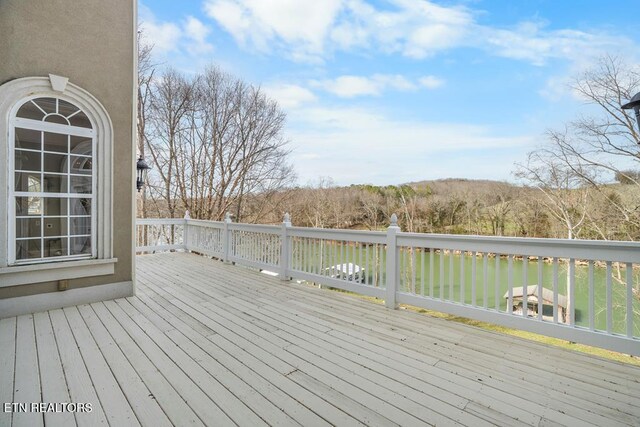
313,31
431,82
300,27
289,95
351,86
357,145
197,33
189,35
529,41
163,36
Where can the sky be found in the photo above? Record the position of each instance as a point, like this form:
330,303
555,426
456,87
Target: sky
389,92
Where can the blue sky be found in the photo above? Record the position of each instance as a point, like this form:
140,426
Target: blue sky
386,92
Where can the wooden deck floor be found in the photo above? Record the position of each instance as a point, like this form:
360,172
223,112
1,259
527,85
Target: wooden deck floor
213,344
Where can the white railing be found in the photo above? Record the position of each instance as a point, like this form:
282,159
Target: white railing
590,290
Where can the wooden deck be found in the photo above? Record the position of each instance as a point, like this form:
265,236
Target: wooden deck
214,344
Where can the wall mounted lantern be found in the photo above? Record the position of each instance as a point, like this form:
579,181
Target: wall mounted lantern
142,167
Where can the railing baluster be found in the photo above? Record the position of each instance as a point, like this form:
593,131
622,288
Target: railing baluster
462,279
355,262
572,291
451,297
422,272
555,290
540,289
367,277
401,268
496,288
413,269
485,280
473,278
441,274
609,299
431,271
525,287
381,263
510,284
629,278
592,315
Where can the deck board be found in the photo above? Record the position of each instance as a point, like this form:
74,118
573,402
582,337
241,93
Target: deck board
204,343
27,375
54,384
7,365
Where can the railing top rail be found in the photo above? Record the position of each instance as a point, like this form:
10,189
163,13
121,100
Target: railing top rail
205,223
333,234
159,221
254,227
602,250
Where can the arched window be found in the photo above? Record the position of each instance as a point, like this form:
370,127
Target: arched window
52,196
56,214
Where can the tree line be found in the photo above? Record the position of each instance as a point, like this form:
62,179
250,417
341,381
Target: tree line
216,145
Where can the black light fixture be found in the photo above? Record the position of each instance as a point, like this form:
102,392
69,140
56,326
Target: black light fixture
142,167
635,104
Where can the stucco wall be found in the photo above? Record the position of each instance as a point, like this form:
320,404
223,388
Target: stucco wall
92,43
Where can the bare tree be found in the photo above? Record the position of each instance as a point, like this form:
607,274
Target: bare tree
565,191
215,143
171,101
601,147
146,71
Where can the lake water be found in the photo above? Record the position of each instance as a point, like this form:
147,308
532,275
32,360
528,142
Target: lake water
415,268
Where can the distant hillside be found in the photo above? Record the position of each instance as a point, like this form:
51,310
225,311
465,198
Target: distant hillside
462,185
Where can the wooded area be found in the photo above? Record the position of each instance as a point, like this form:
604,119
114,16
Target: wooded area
216,145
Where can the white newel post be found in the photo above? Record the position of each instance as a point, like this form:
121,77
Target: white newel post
185,230
285,248
226,239
392,263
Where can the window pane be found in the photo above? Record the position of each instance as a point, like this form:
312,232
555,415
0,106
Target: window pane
47,104
30,111
55,162
27,206
29,139
55,183
27,181
81,145
65,108
56,118
80,225
55,142
80,206
28,249
81,165
54,206
55,226
80,245
81,184
55,247
80,120
28,227
27,160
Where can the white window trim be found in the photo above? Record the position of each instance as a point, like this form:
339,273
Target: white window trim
11,95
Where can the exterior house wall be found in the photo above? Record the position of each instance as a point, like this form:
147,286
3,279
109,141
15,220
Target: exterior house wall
92,43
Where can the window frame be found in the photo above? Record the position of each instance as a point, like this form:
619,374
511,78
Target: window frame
44,126
11,95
